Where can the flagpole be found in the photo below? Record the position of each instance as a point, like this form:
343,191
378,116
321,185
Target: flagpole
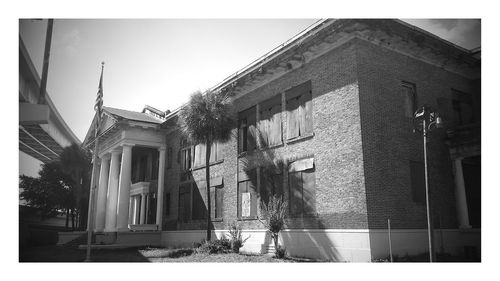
93,181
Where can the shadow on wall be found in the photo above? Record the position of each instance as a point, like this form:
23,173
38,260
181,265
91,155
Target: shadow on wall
192,208
298,190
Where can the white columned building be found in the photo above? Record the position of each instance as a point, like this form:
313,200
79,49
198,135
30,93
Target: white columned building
132,154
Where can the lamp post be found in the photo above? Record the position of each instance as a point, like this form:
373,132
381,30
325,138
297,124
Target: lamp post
424,121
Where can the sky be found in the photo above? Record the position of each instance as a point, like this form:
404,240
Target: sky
161,62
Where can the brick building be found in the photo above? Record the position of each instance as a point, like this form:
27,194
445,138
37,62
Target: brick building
326,121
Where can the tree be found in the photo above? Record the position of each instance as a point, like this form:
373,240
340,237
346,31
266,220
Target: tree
76,162
207,118
49,192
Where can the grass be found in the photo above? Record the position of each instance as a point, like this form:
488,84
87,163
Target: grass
54,253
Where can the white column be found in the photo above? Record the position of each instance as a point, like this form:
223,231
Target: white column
131,211
112,196
134,209
460,196
102,193
143,208
161,180
124,189
148,206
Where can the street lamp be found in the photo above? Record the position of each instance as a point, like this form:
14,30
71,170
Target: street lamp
424,121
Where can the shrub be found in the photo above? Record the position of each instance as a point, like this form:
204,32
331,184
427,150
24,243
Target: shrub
235,236
274,215
280,253
217,246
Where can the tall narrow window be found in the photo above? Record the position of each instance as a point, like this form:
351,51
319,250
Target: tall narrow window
216,198
199,207
185,202
299,111
417,174
247,195
167,204
246,130
463,108
410,96
302,190
186,159
169,157
270,122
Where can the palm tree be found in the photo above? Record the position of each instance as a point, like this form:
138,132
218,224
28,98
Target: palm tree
76,163
207,118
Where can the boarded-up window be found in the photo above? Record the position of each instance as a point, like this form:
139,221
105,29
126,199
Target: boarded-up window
270,122
299,111
409,95
302,187
185,202
199,207
271,183
200,153
247,195
217,201
417,174
246,130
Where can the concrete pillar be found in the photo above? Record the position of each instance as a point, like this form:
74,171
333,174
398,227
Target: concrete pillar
161,180
112,196
102,193
124,188
460,195
143,208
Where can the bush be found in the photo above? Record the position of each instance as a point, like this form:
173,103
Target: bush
217,246
235,235
280,253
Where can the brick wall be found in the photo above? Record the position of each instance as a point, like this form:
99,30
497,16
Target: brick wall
389,143
335,146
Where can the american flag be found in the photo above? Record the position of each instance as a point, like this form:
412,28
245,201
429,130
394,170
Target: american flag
98,101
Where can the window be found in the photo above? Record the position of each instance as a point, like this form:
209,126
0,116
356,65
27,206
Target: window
410,96
270,122
463,108
246,130
169,157
154,166
417,174
302,190
185,156
299,111
271,183
200,154
167,204
143,167
185,202
199,207
216,202
247,195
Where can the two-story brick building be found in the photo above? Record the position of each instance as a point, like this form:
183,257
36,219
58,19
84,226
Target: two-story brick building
326,121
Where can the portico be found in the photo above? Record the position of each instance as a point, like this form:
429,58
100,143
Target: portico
131,178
